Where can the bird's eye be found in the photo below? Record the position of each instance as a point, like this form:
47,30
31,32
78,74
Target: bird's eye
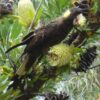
84,2
81,2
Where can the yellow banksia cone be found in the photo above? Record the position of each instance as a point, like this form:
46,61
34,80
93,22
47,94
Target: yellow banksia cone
26,12
59,55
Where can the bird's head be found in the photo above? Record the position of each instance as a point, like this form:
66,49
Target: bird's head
76,17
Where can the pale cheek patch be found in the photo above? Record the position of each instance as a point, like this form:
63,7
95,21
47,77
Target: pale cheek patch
79,20
67,14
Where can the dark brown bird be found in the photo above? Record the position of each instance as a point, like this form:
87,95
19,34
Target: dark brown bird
38,42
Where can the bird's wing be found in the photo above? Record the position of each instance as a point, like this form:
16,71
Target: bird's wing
42,36
27,36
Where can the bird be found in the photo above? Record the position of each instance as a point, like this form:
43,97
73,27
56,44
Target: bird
40,40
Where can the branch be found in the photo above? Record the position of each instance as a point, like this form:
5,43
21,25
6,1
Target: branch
43,78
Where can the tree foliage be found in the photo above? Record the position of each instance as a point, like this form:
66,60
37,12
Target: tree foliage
84,86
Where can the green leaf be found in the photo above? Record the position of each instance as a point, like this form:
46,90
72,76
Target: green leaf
15,30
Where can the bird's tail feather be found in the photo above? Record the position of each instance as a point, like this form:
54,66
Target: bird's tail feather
13,47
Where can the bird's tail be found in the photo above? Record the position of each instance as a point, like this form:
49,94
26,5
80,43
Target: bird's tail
25,40
13,47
